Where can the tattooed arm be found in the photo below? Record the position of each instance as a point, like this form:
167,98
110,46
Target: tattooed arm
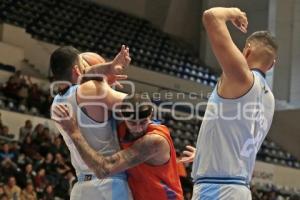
142,150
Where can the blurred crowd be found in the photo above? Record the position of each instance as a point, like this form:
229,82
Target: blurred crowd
271,195
23,95
37,166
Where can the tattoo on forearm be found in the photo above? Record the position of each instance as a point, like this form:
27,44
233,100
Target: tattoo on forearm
140,152
94,161
104,166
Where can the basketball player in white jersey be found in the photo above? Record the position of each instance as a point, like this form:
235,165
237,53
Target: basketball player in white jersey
239,111
96,124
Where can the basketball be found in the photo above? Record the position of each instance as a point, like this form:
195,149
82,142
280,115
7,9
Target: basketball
92,58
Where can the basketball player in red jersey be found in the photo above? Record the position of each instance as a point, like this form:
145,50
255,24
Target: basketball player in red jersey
148,152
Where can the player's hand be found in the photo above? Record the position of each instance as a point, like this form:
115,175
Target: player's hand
83,66
61,113
239,20
188,155
120,62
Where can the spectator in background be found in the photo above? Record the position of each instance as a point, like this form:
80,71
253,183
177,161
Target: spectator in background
34,99
64,187
5,133
46,135
255,195
25,130
28,193
60,164
28,175
48,164
16,87
11,189
70,177
40,181
272,195
49,193
37,132
59,147
6,154
7,169
22,91
28,147
45,141
11,87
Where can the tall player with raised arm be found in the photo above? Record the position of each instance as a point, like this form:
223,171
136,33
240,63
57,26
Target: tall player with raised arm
239,111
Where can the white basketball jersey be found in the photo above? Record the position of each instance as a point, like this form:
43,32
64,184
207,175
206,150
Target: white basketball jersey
102,137
232,132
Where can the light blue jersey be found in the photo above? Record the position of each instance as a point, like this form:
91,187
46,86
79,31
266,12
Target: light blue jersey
103,138
231,133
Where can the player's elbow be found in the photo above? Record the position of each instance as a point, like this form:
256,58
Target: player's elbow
207,17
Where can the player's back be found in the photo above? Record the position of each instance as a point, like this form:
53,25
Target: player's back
101,136
231,133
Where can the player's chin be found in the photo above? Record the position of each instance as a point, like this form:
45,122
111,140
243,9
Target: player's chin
137,134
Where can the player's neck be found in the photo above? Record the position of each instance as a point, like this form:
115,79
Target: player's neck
258,65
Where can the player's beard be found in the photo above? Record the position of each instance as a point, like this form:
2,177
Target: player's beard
138,134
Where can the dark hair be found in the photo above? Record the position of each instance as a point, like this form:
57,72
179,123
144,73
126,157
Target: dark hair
265,38
61,62
136,107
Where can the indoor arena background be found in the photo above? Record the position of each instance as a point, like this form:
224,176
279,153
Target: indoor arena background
171,60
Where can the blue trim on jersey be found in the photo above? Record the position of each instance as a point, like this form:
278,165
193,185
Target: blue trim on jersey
210,192
119,190
222,183
223,180
171,195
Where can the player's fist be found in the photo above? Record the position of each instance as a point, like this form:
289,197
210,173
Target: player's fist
239,20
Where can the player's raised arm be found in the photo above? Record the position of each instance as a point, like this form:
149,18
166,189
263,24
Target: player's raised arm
232,61
113,70
142,150
99,90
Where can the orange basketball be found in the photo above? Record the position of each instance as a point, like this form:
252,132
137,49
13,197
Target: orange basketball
92,58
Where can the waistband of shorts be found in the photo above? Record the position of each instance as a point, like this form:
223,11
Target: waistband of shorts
91,176
223,180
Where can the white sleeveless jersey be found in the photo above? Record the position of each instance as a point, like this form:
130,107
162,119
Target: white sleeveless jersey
102,137
232,132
